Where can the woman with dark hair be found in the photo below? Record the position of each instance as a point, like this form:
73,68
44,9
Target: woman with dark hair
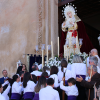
64,71
19,69
53,74
46,69
28,86
41,84
34,78
16,88
24,68
45,74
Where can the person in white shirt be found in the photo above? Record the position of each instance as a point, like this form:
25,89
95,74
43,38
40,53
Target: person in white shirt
65,71
71,90
48,93
78,68
94,61
28,86
16,88
53,74
46,69
6,89
35,71
1,96
41,84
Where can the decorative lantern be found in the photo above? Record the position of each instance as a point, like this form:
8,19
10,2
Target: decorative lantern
19,63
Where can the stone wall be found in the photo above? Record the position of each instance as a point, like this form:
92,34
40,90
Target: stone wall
19,30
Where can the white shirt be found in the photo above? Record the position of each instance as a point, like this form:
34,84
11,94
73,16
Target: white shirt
2,97
69,66
88,62
68,74
40,66
48,93
16,88
70,90
59,68
78,69
36,73
30,87
60,75
48,72
55,77
5,93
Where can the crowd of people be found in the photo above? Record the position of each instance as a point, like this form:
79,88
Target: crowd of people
77,81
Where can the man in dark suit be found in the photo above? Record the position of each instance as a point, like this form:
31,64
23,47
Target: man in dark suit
4,78
95,79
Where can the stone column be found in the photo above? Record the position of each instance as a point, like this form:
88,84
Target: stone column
54,24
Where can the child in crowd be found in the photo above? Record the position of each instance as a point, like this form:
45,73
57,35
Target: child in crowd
71,90
34,78
16,88
53,74
1,89
46,69
45,74
64,70
48,93
41,84
28,86
6,89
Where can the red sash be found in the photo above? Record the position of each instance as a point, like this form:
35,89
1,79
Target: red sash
74,33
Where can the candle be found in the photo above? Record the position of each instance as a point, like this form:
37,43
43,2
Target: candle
58,46
42,59
47,55
69,53
49,47
43,47
52,49
37,48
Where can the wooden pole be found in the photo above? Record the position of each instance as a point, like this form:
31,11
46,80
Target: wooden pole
42,59
47,55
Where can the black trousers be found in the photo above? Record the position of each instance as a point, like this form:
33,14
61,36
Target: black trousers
81,90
